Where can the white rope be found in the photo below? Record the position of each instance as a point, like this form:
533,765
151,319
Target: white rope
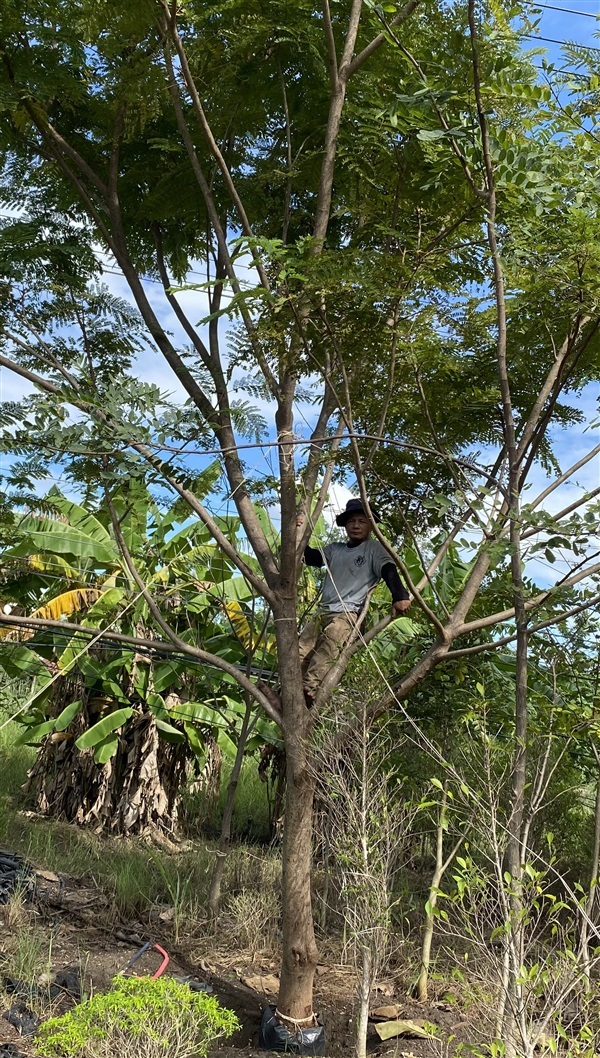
297,1022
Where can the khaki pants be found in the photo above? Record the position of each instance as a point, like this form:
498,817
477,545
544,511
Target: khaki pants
321,642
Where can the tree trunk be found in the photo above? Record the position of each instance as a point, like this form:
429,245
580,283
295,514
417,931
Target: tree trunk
364,995
299,954
136,792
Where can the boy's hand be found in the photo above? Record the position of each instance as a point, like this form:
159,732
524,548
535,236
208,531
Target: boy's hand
300,520
401,606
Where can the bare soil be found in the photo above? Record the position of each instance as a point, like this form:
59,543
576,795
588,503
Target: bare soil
77,928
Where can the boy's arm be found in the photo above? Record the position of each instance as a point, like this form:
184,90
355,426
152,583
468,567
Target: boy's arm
312,555
400,596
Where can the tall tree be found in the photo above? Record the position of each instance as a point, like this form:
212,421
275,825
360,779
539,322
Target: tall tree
331,168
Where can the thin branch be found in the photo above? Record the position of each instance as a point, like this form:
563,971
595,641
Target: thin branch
389,391
190,330
149,644
587,496
215,221
289,155
95,412
377,41
564,477
496,643
212,143
49,360
330,39
553,375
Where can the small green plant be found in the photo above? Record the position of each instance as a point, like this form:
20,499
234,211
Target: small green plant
138,1017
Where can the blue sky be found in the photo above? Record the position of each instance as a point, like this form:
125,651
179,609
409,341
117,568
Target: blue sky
576,25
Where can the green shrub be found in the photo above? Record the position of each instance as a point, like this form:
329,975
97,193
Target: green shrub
138,1018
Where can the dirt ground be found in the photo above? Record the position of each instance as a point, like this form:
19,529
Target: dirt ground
73,923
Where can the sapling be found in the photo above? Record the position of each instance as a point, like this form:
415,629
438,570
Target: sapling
441,866
368,820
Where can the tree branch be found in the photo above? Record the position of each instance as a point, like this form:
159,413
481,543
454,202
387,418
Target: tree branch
529,605
213,660
377,41
212,143
564,477
496,643
198,508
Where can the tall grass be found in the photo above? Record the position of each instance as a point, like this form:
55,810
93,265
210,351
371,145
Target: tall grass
251,808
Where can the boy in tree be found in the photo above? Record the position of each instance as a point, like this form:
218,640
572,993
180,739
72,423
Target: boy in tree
353,569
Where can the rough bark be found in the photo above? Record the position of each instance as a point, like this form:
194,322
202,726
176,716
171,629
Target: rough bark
299,948
364,995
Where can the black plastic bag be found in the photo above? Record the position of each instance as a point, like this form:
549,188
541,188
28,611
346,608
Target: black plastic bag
278,1036
22,1019
15,875
67,980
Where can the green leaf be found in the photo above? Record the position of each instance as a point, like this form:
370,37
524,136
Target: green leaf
18,660
33,735
194,712
81,519
48,534
428,135
195,739
226,744
106,749
68,714
94,735
169,733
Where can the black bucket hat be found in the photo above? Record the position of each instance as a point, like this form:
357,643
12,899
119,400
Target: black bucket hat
355,507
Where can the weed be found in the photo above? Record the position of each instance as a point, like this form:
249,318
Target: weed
180,888
247,870
250,812
25,954
15,910
253,918
138,1017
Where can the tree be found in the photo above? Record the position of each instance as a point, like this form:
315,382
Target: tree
342,157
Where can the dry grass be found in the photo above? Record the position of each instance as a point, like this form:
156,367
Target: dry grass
251,919
25,953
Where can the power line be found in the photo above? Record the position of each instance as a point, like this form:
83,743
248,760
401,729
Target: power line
96,634
567,10
553,40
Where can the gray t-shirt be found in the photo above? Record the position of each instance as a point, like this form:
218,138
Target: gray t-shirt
351,573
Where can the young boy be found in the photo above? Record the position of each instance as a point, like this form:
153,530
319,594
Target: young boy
353,569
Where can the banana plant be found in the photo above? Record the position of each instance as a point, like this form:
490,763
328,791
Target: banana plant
117,727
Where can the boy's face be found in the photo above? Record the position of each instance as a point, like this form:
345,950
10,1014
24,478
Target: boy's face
358,528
